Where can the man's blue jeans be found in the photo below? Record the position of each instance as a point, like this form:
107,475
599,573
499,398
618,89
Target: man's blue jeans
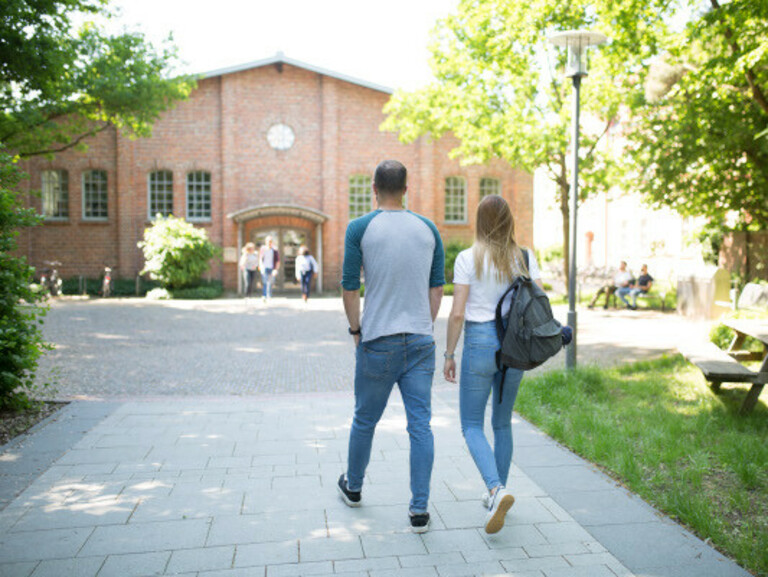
266,283
623,292
408,360
479,377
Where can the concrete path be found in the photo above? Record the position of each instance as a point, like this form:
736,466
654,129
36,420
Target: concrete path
229,486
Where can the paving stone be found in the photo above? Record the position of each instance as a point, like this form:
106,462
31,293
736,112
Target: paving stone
613,506
413,572
367,564
260,554
78,567
204,559
135,564
433,559
388,545
465,570
42,545
453,540
594,571
17,569
539,563
262,528
334,548
298,569
564,532
146,537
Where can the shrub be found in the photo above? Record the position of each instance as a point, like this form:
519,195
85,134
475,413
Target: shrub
211,290
121,287
177,253
159,294
452,250
21,313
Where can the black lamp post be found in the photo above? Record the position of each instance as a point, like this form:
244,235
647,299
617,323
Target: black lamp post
577,42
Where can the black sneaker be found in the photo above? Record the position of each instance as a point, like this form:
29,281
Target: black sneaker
419,522
351,498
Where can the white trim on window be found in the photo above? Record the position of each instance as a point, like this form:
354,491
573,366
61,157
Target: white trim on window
455,200
163,181
94,182
359,196
198,196
54,186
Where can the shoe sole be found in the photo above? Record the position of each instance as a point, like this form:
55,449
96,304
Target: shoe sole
496,522
346,499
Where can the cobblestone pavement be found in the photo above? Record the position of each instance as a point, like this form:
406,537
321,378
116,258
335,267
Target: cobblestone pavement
211,485
134,347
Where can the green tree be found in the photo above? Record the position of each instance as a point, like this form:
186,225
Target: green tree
498,89
57,88
696,142
21,341
176,253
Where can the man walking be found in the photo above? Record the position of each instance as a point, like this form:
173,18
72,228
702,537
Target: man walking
402,257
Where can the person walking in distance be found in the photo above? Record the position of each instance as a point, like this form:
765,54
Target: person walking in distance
249,265
482,274
269,264
306,269
401,255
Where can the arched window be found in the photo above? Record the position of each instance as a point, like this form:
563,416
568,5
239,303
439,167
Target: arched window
95,195
489,186
359,195
455,200
199,196
55,185
160,193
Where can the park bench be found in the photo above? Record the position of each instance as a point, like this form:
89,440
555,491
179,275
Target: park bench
754,297
652,296
719,366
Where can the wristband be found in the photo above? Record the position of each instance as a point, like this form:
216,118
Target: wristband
449,357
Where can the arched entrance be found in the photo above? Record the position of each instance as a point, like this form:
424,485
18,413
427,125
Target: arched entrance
287,241
290,226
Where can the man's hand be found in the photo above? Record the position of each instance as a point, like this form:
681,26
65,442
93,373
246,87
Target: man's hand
357,340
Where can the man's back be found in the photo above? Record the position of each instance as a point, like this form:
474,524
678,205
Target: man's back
402,258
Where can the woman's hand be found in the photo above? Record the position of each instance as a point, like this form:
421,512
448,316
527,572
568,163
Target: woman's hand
449,370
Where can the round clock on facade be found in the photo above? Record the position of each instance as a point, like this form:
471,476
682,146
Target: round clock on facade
280,136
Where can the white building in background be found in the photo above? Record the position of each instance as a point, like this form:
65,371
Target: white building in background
618,226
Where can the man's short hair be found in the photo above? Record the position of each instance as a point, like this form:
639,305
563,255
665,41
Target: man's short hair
390,177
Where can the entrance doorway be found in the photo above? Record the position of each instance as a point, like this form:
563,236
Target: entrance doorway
287,241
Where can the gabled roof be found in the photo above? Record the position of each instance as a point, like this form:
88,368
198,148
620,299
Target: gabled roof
280,58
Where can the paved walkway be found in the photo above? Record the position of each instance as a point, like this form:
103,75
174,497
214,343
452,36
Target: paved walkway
223,486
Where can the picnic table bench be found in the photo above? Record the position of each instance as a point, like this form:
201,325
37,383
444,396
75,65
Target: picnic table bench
720,366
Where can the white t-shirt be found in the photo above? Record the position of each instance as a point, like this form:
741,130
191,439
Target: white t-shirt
484,294
622,277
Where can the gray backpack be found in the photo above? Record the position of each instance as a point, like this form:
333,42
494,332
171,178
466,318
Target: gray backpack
528,333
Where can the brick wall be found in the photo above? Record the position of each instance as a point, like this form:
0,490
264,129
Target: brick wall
222,129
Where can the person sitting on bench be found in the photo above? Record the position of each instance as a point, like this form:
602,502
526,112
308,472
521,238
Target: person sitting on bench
642,286
622,278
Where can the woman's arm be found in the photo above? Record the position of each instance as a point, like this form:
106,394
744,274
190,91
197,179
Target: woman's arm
455,324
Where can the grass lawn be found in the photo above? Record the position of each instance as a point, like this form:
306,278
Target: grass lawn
658,428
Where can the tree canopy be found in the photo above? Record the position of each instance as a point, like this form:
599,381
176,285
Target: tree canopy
58,85
500,90
697,140
682,83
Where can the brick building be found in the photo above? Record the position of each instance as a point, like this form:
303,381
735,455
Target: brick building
274,147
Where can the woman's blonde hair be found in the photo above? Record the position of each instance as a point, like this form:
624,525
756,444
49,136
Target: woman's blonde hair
495,241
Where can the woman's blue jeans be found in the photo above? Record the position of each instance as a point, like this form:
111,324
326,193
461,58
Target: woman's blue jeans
408,360
479,377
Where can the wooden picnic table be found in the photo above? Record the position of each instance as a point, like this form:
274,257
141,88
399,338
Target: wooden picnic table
757,329
720,366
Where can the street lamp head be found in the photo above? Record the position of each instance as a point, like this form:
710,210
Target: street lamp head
577,42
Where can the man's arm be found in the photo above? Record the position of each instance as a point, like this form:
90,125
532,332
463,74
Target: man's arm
435,297
352,309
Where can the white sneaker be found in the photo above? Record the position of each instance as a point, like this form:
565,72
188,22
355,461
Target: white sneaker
486,500
500,503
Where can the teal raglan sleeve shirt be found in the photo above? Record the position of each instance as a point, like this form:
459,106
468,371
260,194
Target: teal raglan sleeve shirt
353,251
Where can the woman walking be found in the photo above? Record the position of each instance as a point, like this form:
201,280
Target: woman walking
249,265
306,268
482,274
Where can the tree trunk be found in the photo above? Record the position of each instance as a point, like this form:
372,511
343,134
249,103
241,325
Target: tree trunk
565,211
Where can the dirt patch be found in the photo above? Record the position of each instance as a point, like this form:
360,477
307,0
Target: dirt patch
13,424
